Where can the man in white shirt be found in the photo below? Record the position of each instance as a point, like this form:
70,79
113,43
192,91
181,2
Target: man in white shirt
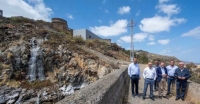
149,75
170,78
134,73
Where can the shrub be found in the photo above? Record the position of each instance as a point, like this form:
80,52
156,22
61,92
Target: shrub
90,44
79,40
1,67
115,47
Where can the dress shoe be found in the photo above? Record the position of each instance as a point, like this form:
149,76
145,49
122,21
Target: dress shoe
133,95
177,98
137,95
165,97
143,98
182,98
160,97
152,98
168,93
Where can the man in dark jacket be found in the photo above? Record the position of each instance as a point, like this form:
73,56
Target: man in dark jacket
182,75
162,80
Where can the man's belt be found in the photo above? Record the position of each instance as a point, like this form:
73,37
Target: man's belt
150,78
134,75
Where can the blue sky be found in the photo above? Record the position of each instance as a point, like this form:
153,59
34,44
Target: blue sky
167,27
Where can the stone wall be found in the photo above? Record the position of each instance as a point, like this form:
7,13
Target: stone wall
60,24
193,93
111,89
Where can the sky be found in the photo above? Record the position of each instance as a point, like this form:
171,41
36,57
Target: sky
166,27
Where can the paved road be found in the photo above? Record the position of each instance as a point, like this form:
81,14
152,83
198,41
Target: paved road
138,100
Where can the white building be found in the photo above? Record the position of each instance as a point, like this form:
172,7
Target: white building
85,34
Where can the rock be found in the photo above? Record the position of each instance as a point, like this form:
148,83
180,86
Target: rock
19,90
19,99
73,62
2,99
11,101
23,91
102,71
44,93
13,96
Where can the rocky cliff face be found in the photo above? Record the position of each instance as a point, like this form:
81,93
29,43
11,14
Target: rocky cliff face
40,64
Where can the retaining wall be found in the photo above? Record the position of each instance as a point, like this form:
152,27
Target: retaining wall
111,89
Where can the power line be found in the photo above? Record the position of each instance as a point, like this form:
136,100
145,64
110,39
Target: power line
131,25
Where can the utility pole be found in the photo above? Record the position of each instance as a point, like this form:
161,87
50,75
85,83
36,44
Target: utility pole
131,25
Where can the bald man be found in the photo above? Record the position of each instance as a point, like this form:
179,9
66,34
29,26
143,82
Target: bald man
162,80
149,75
182,75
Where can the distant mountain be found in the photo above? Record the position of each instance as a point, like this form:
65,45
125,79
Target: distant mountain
153,56
187,62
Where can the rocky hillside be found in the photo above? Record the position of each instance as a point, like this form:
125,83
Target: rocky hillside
41,64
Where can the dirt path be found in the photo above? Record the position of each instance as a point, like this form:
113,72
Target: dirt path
138,100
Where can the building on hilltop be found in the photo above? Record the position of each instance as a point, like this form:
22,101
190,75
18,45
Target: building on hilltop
1,13
88,35
85,34
60,24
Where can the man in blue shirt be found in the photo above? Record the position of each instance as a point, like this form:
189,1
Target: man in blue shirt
170,78
182,75
134,73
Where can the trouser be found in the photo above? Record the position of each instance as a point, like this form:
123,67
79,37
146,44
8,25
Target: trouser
134,83
170,81
156,85
146,83
180,85
162,90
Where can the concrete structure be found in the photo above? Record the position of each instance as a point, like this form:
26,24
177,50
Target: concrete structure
111,89
85,34
60,24
1,13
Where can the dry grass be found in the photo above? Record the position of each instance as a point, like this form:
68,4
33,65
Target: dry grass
5,77
5,66
36,84
13,83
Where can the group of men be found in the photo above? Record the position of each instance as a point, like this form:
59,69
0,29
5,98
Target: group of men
160,77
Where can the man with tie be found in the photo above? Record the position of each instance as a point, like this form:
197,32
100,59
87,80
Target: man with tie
134,73
149,75
162,80
182,75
